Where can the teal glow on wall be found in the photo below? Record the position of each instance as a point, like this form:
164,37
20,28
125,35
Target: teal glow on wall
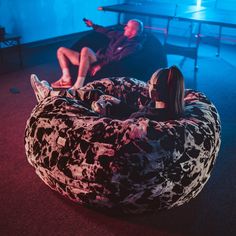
42,19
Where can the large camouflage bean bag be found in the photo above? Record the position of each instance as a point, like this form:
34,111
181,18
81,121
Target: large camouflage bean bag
130,165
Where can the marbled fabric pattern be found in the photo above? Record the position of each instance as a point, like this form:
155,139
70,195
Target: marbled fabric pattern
132,165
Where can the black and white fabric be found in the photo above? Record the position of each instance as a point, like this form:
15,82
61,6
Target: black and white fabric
131,165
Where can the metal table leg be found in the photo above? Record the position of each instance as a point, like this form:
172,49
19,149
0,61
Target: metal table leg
197,46
167,31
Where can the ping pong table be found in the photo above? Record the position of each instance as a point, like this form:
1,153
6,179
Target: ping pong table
170,11
152,10
211,16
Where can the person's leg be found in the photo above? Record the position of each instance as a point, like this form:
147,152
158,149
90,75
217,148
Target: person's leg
87,57
66,55
41,89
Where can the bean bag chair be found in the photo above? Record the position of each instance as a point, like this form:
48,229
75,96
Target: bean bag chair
140,65
130,165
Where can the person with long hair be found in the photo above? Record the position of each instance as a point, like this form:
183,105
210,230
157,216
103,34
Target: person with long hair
166,90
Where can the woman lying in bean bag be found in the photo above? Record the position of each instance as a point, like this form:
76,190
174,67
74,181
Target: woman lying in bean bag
158,157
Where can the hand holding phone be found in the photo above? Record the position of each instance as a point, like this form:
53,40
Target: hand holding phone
89,23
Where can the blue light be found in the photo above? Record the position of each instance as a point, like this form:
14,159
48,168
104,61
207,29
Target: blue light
199,3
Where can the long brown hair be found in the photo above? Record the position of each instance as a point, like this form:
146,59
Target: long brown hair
169,88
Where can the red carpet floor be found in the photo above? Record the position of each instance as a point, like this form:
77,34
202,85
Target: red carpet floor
29,207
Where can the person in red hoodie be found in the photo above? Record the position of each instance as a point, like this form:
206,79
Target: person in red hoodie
121,45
